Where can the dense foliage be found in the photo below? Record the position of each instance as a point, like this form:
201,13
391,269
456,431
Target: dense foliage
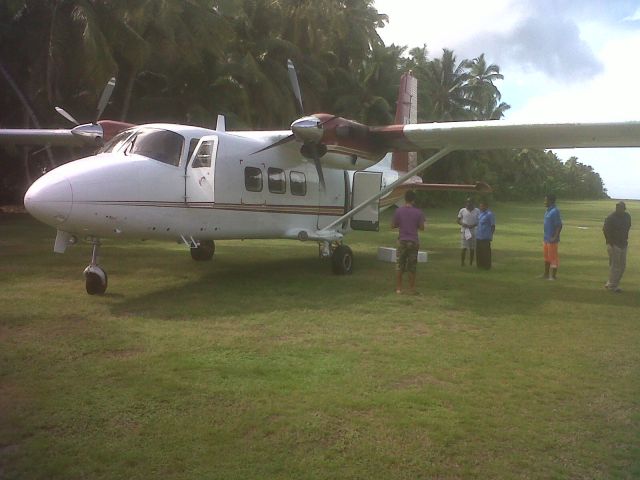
188,61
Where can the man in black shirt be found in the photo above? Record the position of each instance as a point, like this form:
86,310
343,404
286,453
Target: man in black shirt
616,233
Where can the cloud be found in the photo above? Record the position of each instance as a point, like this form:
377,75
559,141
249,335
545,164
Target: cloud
537,35
634,17
551,45
604,97
563,60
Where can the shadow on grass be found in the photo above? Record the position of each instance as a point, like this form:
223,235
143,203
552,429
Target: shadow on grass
229,286
248,278
513,285
256,280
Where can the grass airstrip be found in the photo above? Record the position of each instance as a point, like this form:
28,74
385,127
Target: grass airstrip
262,364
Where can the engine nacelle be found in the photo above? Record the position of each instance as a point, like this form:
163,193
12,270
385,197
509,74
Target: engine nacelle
339,142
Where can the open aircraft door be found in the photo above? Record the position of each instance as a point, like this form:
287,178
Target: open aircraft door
365,186
198,178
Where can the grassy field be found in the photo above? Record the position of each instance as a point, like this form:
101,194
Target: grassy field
261,364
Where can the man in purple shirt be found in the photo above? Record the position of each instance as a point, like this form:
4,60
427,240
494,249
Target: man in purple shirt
408,219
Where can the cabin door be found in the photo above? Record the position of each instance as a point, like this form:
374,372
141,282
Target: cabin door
365,186
198,178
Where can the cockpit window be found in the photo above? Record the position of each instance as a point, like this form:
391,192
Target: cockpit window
161,145
192,147
117,142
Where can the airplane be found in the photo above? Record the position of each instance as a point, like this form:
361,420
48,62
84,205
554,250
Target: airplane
325,176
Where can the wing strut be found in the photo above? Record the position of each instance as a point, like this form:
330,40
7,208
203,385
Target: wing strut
427,163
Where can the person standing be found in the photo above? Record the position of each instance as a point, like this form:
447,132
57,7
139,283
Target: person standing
468,219
616,233
552,229
484,235
408,219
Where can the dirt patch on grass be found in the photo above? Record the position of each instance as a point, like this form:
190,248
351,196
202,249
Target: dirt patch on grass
123,353
413,329
414,382
11,397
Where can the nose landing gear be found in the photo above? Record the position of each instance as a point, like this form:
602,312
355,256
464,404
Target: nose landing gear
95,276
203,250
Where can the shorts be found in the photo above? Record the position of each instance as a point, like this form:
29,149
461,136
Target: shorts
406,256
551,254
470,244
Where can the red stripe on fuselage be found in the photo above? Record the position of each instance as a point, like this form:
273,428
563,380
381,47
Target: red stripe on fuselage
245,207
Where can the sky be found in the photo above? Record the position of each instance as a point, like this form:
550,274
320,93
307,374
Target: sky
563,60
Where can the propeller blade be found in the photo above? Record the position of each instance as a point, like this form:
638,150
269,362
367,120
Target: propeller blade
106,95
282,141
67,115
293,78
318,165
315,151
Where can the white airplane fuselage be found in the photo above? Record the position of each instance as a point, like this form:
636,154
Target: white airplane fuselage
213,185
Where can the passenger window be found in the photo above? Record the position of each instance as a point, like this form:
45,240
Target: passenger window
253,179
203,155
298,183
277,180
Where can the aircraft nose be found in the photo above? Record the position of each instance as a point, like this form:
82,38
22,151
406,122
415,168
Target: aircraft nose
49,199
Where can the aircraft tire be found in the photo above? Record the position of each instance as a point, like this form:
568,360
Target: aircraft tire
94,283
204,251
342,260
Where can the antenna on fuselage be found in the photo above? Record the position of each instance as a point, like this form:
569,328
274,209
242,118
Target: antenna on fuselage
221,124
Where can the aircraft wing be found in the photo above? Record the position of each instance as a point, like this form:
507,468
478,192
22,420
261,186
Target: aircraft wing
32,136
498,134
87,135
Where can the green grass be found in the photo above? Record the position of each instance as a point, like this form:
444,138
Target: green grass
261,364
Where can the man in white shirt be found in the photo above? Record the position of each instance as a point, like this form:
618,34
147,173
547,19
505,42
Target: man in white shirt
468,220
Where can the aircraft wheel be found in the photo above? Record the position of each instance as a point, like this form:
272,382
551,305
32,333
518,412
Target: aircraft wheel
95,280
342,260
204,251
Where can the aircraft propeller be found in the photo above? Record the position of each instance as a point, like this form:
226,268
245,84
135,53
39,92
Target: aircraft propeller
93,130
307,130
293,78
105,97
102,103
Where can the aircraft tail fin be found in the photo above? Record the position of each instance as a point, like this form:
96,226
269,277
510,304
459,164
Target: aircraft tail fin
406,112
402,162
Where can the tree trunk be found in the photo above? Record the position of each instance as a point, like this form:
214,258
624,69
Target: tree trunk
128,94
27,108
50,62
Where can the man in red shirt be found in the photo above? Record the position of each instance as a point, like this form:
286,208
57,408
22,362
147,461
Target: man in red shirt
408,219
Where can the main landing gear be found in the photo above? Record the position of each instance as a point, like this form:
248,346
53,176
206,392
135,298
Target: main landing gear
95,277
341,257
203,250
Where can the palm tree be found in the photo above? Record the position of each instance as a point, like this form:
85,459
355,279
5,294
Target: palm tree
368,92
77,48
447,86
492,110
253,78
483,91
419,64
182,45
